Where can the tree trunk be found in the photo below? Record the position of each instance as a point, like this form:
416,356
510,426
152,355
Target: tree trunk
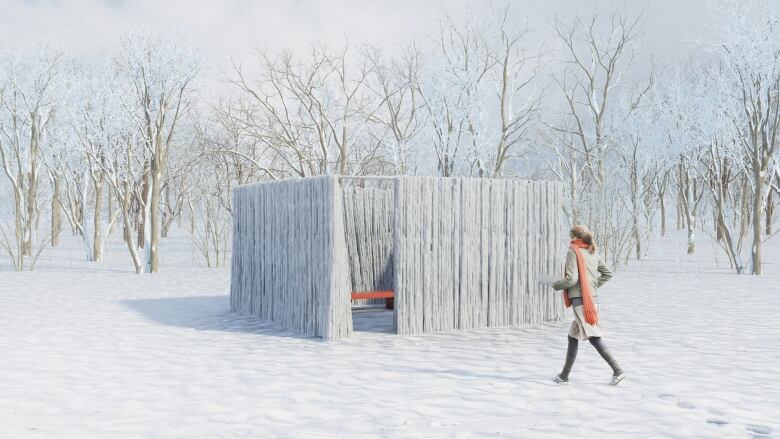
110,203
19,229
745,209
78,209
770,212
139,225
758,228
97,238
690,217
110,196
127,228
690,220
634,211
728,238
56,213
192,217
142,202
166,220
638,240
154,239
663,214
716,215
730,248
147,224
32,190
680,210
687,198
208,233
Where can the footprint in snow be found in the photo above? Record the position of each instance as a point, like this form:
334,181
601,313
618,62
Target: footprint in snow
685,405
673,398
759,430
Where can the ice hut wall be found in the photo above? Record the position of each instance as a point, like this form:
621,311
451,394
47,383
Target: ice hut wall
467,253
289,262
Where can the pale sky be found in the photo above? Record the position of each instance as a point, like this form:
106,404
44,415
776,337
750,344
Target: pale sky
232,28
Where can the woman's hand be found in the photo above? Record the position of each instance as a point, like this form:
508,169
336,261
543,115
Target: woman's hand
546,279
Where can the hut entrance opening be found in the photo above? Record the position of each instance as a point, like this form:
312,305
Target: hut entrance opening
368,223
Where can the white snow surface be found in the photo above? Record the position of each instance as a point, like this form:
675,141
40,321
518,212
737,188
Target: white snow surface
94,351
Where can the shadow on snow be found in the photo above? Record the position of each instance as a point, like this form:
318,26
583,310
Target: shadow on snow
212,313
205,313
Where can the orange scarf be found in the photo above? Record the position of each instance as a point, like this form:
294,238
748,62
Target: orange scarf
591,315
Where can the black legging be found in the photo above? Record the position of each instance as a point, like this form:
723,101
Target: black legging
598,343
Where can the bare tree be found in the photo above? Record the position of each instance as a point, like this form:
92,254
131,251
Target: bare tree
396,83
639,170
751,57
516,68
226,156
598,51
314,112
28,99
93,127
453,96
161,74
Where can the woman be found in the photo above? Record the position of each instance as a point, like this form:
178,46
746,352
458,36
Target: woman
585,272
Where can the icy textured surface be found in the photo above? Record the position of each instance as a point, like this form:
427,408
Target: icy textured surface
289,260
467,252
109,354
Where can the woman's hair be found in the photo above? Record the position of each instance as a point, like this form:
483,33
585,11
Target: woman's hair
583,234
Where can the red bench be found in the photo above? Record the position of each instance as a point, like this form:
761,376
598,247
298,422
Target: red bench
387,295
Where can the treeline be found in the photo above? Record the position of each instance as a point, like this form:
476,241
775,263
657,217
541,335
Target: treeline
132,145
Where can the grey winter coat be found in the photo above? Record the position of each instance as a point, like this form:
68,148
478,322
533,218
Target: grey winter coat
598,274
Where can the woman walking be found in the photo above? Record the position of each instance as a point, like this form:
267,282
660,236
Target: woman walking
585,272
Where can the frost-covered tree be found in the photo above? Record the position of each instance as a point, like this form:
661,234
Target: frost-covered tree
396,84
481,93
453,88
639,160
94,123
315,111
161,74
699,134
224,156
108,153
750,57
29,96
517,93
598,95
720,161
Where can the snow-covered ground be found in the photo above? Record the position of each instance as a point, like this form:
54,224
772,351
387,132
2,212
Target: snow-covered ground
94,351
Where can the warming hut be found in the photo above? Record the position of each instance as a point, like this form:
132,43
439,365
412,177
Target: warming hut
452,253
